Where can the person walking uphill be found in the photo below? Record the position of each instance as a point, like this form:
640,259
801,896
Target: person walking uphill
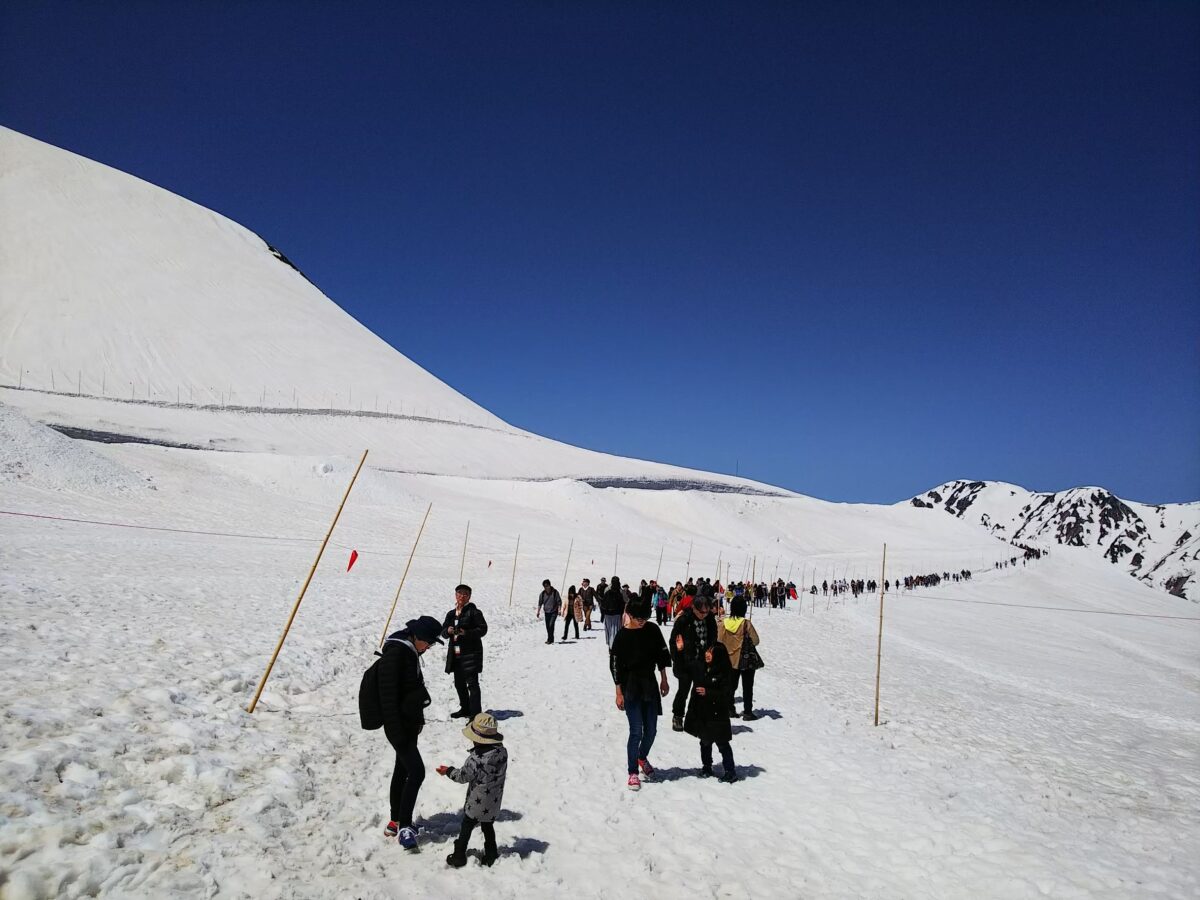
465,628
484,771
402,699
693,633
612,608
637,650
740,639
549,603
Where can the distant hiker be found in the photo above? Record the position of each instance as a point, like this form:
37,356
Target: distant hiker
588,594
484,772
572,612
549,603
707,716
637,650
612,607
740,639
693,633
403,699
661,605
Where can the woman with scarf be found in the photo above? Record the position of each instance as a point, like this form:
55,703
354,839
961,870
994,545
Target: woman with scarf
738,635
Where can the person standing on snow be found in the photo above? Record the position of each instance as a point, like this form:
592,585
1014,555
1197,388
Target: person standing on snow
693,633
637,650
549,603
706,715
740,639
612,608
588,594
484,773
465,627
402,699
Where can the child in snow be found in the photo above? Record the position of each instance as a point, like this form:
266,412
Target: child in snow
484,772
708,712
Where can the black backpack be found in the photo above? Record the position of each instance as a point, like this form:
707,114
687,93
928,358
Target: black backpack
370,710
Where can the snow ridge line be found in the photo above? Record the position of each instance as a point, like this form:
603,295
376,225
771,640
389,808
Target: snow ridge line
1072,609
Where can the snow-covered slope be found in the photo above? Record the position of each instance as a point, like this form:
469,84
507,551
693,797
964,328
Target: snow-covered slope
111,286
1156,544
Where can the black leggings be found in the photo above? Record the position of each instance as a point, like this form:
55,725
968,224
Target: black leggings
406,779
747,677
567,622
468,827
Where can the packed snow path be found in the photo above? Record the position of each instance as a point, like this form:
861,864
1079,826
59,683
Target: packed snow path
1010,765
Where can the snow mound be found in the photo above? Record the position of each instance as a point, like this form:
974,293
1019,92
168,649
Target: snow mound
34,454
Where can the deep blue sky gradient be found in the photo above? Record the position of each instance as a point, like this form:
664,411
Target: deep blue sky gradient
855,249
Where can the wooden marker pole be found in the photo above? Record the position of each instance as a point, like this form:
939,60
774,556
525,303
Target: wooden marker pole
658,571
463,565
879,650
413,553
689,562
567,567
513,584
616,552
719,555
296,606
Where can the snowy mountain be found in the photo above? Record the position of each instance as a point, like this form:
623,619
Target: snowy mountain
1038,724
1159,545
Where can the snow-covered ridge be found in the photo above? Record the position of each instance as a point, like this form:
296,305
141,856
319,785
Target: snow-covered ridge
1158,544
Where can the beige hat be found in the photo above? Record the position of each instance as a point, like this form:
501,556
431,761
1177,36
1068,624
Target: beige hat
482,730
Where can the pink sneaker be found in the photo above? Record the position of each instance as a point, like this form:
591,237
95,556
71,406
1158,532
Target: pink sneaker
634,783
647,769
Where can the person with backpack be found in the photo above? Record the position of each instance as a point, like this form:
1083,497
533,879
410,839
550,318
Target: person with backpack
401,697
740,639
465,628
549,603
661,605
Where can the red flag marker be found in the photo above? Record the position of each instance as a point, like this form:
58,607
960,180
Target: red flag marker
353,560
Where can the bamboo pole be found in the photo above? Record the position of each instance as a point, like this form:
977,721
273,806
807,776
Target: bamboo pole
513,583
658,571
463,565
879,649
413,553
296,606
719,555
568,565
616,552
689,562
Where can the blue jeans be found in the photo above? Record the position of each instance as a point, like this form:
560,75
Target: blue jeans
643,727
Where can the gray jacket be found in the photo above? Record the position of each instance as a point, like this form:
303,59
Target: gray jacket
485,773
549,602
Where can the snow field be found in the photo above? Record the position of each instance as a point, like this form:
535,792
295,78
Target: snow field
1025,752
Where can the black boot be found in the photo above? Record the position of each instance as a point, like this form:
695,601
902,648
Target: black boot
490,853
677,723
460,714
458,858
706,772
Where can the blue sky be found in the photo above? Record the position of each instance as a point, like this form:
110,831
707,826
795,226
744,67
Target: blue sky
852,249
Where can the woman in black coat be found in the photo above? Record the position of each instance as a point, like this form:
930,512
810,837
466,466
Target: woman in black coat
708,711
464,627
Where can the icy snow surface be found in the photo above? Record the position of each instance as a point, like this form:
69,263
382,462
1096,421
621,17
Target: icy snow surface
1024,753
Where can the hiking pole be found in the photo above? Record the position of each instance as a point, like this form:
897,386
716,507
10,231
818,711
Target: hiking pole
567,567
462,566
396,599
879,650
307,581
513,584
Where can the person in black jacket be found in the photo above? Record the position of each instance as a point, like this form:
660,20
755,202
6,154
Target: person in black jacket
637,650
707,715
693,633
465,627
402,699
612,610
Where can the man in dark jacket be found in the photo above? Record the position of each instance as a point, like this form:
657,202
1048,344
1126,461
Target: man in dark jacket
612,610
549,603
465,627
693,633
402,699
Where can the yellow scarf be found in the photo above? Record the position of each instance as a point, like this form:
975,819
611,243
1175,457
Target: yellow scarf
733,623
